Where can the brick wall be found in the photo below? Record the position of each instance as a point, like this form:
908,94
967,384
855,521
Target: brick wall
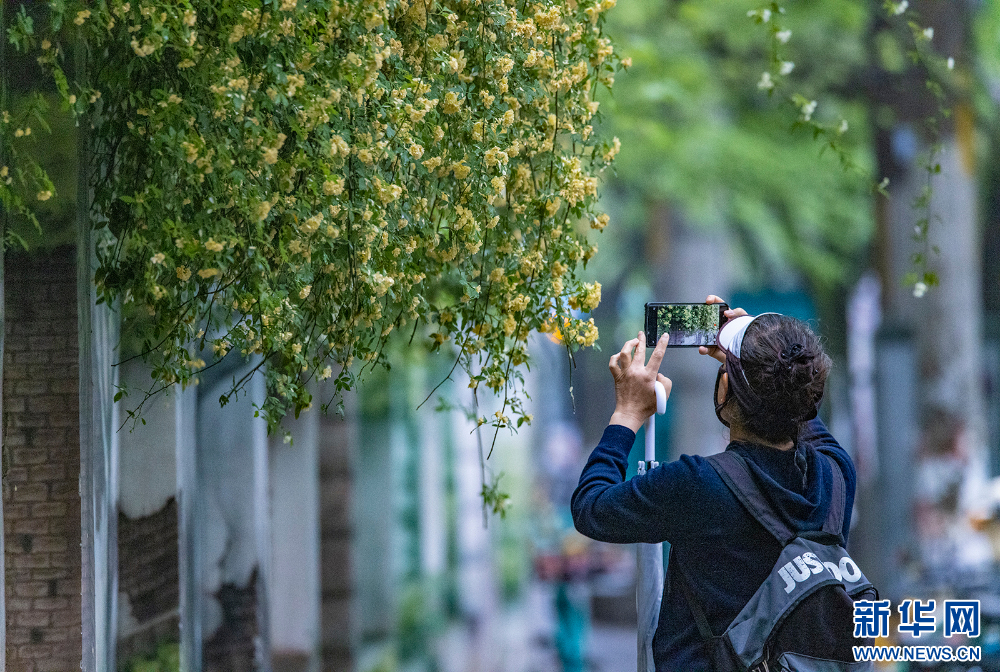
41,457
232,648
148,575
337,438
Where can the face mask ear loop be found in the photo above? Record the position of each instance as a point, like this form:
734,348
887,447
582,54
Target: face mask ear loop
715,396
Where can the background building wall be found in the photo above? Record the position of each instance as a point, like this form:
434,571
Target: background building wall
337,441
41,462
148,562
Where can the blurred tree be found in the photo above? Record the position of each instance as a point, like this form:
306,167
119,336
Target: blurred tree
698,132
930,233
709,138
706,148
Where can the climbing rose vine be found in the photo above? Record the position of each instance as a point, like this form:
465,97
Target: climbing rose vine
297,181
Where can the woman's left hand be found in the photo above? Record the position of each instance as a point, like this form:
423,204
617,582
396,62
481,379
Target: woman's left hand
730,314
635,396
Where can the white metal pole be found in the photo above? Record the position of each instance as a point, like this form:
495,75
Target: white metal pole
649,586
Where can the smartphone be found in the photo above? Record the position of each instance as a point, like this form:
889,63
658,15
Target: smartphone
689,324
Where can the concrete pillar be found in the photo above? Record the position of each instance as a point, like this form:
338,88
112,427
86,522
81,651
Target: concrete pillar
339,622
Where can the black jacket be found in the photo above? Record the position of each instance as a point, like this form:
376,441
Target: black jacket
726,552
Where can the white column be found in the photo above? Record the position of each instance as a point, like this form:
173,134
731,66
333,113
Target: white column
295,578
98,339
225,522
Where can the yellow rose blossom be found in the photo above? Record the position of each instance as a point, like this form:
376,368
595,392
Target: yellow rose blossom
295,82
600,221
311,225
262,211
333,187
365,94
616,146
145,49
452,103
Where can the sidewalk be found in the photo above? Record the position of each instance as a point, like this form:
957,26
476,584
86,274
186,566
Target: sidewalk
612,648
521,638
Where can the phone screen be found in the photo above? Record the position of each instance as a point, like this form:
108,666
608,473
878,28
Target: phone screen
689,324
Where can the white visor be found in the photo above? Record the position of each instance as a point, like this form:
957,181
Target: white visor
731,335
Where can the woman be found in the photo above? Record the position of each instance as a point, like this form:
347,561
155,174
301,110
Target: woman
773,370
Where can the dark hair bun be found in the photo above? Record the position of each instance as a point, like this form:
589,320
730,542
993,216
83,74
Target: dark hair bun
787,368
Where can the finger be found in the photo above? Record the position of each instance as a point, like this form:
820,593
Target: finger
714,352
613,364
712,298
640,349
667,383
625,356
733,313
657,356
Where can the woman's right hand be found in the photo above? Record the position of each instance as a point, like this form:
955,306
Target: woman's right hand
635,394
731,314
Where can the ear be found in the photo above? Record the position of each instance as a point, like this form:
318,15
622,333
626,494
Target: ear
723,388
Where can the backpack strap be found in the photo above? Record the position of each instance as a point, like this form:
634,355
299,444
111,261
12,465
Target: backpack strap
834,523
704,629
735,473
732,468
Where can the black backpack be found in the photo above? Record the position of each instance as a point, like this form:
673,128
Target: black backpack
801,619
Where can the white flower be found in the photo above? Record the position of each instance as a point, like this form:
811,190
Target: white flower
765,83
783,36
928,33
900,7
843,126
786,67
808,109
919,289
765,15
951,63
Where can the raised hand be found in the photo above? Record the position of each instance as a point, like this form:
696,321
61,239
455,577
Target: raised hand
635,398
731,314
